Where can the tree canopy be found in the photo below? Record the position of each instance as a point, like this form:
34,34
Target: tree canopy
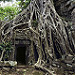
9,12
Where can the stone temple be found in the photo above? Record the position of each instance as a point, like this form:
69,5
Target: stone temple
24,49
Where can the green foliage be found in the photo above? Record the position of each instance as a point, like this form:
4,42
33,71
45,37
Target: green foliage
7,13
23,4
8,49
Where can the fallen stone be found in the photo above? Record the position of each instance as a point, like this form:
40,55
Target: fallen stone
6,69
8,63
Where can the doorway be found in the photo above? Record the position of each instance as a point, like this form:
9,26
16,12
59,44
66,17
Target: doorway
21,58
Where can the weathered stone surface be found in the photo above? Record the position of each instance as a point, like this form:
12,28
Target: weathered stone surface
8,63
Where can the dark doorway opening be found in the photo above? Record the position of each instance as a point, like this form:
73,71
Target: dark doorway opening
21,58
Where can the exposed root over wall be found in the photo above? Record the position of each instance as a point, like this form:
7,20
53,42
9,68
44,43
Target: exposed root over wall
52,40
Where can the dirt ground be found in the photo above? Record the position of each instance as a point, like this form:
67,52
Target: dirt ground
21,70
29,70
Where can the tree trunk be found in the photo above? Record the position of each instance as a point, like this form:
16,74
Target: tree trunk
55,42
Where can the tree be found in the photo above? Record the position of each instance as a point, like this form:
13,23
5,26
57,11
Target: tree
55,42
9,12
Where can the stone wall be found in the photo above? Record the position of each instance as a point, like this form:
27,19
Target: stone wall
23,38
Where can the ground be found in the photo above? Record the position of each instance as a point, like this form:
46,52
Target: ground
30,70
21,70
